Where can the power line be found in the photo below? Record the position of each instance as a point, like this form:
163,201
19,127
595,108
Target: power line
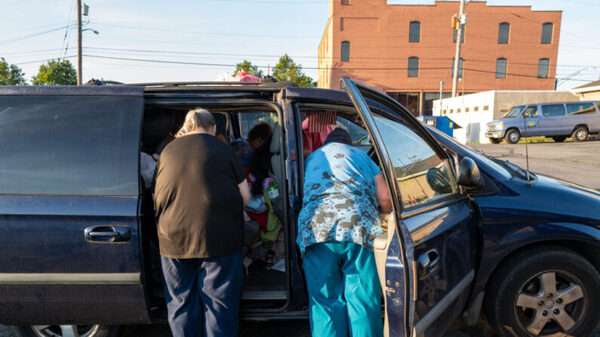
28,36
205,32
45,60
272,2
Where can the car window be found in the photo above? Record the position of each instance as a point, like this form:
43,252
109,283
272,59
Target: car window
514,112
249,119
580,108
553,110
421,174
69,145
531,112
358,134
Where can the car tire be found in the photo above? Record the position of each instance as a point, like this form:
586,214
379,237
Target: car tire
580,134
512,136
559,139
66,330
495,140
549,291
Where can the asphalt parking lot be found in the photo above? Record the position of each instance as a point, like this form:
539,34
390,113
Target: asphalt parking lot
574,162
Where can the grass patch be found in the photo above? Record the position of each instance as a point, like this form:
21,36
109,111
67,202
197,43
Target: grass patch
539,139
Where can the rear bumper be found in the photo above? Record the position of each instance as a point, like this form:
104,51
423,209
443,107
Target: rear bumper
495,134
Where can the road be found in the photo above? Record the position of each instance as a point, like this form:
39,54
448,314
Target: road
575,162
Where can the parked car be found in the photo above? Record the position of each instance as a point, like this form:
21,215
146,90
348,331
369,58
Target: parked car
76,224
557,120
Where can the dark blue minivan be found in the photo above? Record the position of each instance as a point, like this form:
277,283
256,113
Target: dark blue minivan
467,232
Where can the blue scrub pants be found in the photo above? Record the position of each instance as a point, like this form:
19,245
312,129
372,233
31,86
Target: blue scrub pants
343,290
203,295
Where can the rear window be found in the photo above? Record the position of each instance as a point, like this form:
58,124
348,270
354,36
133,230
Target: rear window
70,145
552,110
580,108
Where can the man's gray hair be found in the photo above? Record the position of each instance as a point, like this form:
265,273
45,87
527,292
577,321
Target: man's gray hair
196,118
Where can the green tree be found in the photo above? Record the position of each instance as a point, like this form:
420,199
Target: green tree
10,74
56,72
248,67
287,70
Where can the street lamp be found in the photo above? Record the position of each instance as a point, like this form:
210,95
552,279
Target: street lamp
93,30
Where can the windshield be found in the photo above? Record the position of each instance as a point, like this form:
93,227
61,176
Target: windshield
476,154
514,112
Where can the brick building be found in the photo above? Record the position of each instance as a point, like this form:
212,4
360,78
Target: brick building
406,50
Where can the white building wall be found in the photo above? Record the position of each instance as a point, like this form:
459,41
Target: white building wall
471,112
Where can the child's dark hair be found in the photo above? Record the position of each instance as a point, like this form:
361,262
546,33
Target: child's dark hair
260,165
261,130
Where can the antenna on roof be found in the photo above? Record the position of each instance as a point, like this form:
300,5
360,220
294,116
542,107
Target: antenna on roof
526,149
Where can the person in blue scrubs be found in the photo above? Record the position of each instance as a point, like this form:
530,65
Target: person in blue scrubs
344,191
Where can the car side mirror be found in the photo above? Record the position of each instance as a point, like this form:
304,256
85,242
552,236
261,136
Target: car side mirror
469,175
438,181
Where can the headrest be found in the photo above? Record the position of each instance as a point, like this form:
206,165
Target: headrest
275,147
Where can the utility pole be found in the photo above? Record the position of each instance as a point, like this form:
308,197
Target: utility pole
79,61
461,22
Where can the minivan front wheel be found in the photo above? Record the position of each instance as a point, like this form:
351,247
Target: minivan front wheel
495,140
513,136
544,292
580,134
68,331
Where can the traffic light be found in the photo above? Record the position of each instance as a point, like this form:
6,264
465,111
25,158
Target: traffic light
454,22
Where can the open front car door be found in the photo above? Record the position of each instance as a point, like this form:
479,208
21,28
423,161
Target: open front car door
426,259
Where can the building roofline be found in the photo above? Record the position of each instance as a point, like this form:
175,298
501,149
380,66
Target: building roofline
591,86
585,89
436,2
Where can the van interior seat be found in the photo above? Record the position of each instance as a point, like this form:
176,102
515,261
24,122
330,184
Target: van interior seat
276,173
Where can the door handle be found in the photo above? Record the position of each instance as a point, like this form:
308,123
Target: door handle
428,262
108,233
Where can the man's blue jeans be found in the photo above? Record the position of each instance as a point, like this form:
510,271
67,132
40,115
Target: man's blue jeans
343,290
203,295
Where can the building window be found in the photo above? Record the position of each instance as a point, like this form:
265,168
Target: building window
547,33
475,109
414,34
345,51
460,67
462,37
451,110
543,68
466,109
458,110
345,2
486,107
413,67
503,32
410,100
501,68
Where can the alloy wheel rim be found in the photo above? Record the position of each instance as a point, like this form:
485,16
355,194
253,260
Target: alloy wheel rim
550,304
581,135
514,137
65,330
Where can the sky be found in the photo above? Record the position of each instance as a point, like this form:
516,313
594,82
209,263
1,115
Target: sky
206,38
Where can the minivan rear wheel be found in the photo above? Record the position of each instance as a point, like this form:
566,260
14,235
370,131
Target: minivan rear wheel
68,331
580,134
548,291
512,136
